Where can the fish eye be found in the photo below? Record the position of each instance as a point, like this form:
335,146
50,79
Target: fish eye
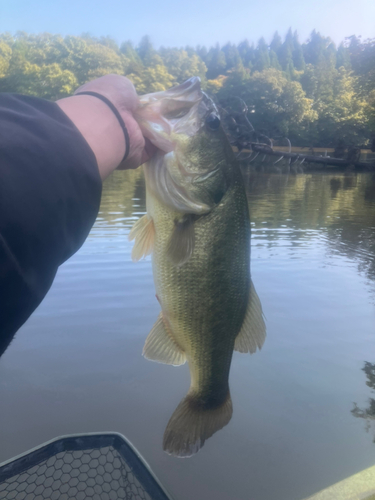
213,121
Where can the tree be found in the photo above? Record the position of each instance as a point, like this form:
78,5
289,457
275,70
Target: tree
232,56
276,43
262,58
275,102
5,57
313,92
342,113
202,52
247,54
88,59
362,57
285,55
134,62
182,66
344,117
145,50
297,54
215,62
343,57
274,61
152,79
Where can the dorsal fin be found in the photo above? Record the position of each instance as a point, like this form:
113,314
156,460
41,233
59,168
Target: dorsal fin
253,331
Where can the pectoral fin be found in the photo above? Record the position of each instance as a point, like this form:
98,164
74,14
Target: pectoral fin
160,345
143,232
182,242
253,332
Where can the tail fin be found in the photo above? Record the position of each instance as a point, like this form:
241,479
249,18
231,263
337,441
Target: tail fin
190,426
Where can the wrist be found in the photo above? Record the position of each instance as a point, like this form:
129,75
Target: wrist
100,128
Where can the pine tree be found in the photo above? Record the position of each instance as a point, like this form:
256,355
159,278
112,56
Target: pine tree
314,49
285,55
247,54
215,62
145,50
343,57
274,61
232,56
276,43
262,58
297,54
202,52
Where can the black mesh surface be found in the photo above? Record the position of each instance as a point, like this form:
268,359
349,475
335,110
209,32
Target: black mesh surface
97,467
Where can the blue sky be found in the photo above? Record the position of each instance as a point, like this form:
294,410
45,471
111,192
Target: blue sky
192,22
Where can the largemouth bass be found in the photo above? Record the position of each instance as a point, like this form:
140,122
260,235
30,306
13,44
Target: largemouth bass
197,228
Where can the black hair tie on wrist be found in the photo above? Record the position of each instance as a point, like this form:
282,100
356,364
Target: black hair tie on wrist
118,116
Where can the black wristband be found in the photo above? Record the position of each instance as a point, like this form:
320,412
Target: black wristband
118,116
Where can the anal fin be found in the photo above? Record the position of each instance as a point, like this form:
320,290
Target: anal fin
253,331
143,232
161,347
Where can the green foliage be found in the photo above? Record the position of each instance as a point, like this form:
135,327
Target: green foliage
247,54
262,57
182,66
152,79
343,57
362,56
277,105
5,57
232,56
314,93
342,115
276,43
297,54
216,62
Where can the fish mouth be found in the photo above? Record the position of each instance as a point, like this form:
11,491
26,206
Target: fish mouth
187,87
189,99
180,110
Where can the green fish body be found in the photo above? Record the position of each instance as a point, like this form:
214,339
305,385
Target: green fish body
198,229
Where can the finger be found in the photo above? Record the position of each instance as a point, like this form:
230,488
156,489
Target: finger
118,89
148,151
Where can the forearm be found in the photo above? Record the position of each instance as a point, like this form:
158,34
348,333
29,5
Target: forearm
99,127
53,157
49,197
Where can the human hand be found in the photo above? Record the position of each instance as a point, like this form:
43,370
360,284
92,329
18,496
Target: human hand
101,128
121,93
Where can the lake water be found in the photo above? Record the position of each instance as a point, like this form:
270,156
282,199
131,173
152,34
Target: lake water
76,365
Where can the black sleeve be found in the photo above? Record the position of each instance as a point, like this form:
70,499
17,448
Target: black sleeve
50,192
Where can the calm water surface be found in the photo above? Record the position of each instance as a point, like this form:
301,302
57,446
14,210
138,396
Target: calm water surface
76,366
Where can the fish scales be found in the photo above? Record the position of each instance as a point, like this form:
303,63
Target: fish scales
207,311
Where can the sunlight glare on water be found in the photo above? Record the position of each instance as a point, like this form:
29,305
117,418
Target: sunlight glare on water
76,365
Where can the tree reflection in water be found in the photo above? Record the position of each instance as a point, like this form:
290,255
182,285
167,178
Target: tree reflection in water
368,414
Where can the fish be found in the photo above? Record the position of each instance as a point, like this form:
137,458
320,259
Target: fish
197,228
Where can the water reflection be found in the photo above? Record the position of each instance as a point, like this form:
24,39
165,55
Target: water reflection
342,208
122,190
368,414
76,366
